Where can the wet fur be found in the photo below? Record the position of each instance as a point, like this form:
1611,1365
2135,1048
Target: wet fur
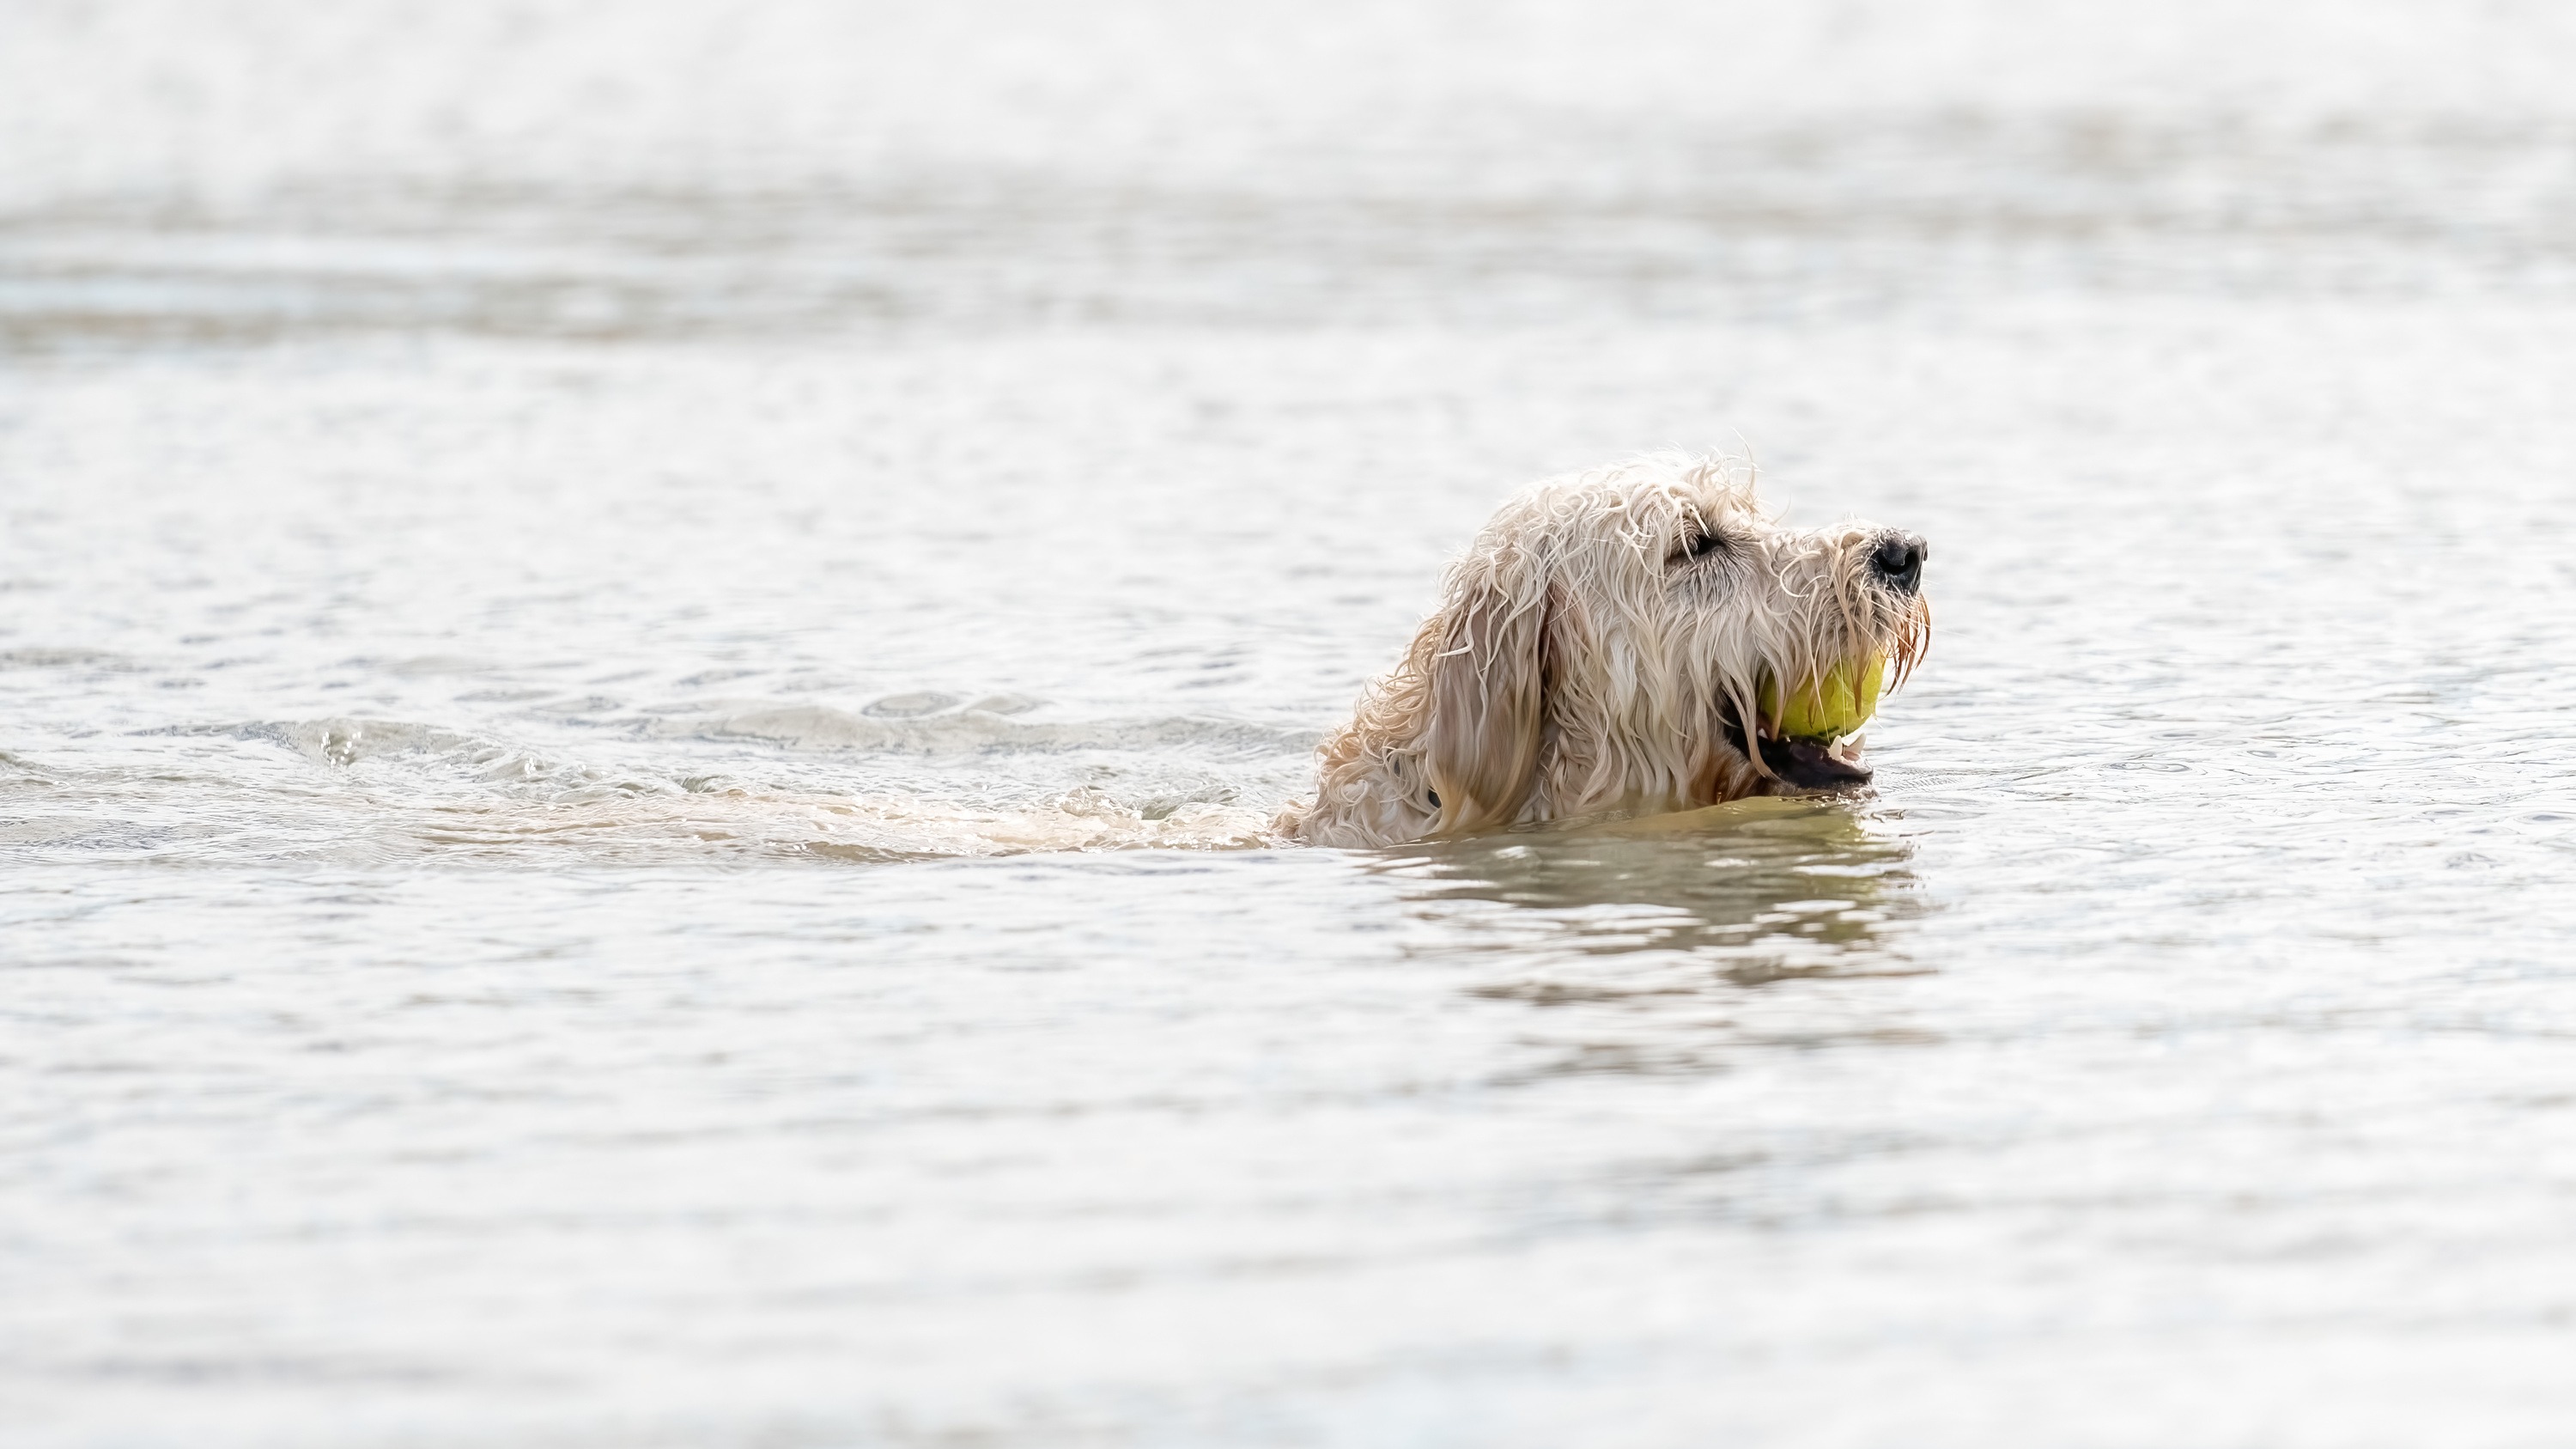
1583,661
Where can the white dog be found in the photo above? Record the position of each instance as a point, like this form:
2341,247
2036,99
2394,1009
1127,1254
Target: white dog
1607,645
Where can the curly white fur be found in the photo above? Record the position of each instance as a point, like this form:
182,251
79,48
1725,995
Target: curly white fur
1594,651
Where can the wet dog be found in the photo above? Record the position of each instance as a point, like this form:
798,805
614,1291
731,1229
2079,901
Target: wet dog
1635,639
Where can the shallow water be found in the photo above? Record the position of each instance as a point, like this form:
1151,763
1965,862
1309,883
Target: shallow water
638,716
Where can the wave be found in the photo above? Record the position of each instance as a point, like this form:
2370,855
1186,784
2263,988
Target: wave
373,790
977,731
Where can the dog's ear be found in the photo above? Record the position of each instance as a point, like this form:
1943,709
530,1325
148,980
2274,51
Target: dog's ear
1488,703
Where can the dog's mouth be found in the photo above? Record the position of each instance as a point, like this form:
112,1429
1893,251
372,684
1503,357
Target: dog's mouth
1807,764
1807,738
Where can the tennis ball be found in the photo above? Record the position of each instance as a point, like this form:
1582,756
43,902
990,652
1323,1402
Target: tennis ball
1831,707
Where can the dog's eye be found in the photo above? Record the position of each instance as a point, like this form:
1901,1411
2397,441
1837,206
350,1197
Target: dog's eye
1700,543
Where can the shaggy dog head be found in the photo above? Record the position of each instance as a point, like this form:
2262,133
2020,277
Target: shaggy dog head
1642,637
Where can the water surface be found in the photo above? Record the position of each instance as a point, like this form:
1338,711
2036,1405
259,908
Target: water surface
637,716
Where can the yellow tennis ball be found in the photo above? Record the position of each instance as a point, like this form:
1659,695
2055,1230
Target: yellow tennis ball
1831,707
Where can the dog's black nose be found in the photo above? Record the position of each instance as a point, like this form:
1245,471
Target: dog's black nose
1899,560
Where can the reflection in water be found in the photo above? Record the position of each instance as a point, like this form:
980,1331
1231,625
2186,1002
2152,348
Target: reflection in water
1766,888
1641,937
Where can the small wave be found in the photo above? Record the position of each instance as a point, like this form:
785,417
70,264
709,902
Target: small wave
42,658
979,731
343,742
785,824
405,790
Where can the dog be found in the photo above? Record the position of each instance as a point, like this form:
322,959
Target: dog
1632,640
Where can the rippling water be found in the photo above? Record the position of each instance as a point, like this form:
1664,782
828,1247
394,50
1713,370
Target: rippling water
644,649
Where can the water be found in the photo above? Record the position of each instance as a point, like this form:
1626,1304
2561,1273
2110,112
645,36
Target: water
644,650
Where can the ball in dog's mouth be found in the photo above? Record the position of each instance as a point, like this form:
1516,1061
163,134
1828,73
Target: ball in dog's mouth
1798,736
1835,703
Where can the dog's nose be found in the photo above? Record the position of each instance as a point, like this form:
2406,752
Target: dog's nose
1899,560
